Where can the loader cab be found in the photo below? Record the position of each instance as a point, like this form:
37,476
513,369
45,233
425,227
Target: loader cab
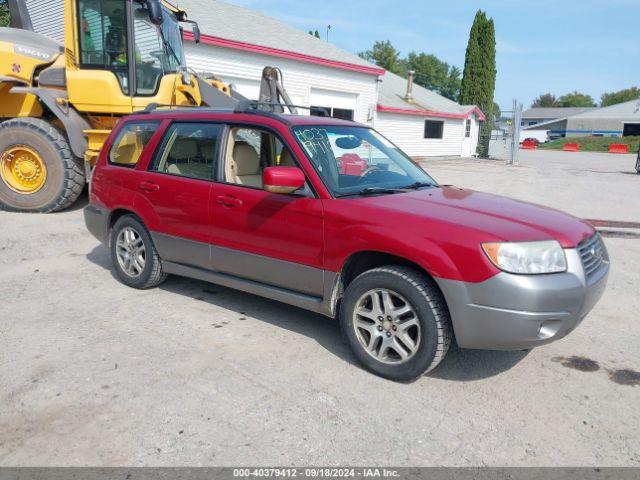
128,54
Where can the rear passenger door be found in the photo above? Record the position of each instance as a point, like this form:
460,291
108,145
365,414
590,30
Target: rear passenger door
176,187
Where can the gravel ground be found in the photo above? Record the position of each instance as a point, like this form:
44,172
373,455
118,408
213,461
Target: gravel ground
95,373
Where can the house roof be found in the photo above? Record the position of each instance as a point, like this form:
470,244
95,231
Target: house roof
621,111
557,112
232,26
427,103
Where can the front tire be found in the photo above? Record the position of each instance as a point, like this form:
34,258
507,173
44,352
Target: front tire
38,171
396,322
133,254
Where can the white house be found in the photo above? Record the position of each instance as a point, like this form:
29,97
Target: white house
237,43
423,123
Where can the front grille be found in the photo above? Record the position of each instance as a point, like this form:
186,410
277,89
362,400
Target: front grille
592,253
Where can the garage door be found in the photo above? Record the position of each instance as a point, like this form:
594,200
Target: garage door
337,104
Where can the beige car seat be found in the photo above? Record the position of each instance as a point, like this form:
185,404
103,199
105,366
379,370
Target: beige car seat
183,160
245,167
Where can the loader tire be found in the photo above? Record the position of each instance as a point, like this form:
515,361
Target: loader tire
38,171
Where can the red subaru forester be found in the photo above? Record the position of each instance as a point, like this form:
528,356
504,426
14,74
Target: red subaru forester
330,216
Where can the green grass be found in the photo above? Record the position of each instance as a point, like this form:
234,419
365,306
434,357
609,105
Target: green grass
593,144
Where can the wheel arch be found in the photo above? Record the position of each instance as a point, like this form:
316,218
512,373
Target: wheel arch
118,213
74,123
365,260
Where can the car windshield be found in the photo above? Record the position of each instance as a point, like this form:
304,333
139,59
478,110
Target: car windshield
358,160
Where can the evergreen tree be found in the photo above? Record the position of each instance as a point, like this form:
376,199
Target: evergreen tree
314,34
479,77
4,14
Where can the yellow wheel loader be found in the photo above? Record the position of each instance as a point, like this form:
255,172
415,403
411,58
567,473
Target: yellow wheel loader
59,102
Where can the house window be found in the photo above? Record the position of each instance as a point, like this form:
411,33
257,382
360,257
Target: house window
433,129
343,113
467,128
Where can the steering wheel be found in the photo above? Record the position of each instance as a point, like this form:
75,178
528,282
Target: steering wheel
368,171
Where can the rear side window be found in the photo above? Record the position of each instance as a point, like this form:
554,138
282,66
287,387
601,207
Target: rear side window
130,143
189,150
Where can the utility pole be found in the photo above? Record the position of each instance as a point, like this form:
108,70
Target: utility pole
328,28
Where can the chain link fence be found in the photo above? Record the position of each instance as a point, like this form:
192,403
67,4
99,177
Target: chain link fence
505,136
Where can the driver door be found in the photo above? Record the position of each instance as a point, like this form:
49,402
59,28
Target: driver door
275,239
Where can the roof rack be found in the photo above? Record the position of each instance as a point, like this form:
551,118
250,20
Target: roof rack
253,106
152,107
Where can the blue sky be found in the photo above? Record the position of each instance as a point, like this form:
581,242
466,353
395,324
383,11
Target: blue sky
544,45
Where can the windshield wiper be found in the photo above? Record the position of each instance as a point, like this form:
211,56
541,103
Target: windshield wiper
417,185
373,191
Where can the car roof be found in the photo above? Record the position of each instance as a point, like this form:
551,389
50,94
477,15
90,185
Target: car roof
227,115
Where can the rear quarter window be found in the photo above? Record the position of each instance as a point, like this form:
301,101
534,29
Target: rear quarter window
130,142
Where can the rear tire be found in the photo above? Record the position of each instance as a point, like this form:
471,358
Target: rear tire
133,254
64,172
396,322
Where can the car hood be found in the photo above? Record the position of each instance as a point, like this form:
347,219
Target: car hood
498,218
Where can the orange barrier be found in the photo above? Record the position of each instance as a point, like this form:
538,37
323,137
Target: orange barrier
529,145
618,148
571,147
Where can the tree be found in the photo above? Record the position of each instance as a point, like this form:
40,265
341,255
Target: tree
479,78
434,74
576,99
546,100
385,56
4,14
621,96
314,34
497,112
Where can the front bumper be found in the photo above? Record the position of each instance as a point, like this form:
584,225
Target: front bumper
513,312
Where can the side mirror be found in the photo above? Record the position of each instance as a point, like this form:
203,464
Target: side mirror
155,11
196,33
282,179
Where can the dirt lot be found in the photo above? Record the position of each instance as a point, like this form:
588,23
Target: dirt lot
95,373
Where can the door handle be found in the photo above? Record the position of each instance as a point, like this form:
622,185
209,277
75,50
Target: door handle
229,201
149,187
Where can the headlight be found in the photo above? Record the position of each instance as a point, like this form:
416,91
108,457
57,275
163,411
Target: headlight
527,257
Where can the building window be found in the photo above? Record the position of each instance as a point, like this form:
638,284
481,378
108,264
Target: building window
433,129
343,113
467,128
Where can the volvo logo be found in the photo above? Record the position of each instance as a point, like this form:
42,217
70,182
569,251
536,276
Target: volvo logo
33,52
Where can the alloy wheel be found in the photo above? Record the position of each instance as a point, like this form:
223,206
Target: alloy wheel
387,326
131,252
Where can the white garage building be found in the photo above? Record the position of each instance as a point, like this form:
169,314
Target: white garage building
237,43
